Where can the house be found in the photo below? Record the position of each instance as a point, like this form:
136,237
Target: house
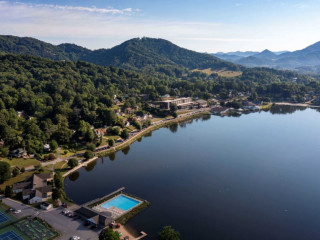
19,153
165,96
35,189
219,110
100,131
46,147
20,113
250,106
144,96
94,217
201,103
129,111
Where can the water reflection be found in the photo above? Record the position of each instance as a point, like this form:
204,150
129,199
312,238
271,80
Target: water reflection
126,150
112,156
285,109
148,134
205,117
173,127
74,176
91,166
139,139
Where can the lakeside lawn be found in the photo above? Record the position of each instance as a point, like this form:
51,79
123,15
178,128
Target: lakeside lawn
21,177
21,162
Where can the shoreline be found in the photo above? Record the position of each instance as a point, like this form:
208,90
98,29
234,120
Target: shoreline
296,104
130,140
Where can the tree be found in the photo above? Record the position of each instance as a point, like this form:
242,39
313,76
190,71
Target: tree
136,124
111,142
56,194
58,180
173,108
109,234
146,123
174,114
88,154
91,147
73,162
5,172
54,145
168,233
125,134
15,172
253,96
8,191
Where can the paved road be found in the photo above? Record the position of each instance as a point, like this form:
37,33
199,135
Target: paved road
65,225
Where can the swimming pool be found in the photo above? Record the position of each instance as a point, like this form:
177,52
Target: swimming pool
122,202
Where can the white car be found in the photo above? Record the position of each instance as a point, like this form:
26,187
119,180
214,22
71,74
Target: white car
17,211
75,238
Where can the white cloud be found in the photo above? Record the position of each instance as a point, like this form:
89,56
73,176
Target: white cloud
106,27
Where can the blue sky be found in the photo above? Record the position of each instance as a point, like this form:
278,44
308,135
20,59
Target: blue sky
202,25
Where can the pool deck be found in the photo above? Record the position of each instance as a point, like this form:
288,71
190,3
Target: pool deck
116,212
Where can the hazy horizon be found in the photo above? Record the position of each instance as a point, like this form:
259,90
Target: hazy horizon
203,26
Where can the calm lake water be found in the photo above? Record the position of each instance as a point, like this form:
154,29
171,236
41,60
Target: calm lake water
251,177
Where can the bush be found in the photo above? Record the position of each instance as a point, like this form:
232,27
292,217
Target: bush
51,156
23,170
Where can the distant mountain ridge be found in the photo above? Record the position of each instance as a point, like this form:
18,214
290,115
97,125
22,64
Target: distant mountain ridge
306,60
133,54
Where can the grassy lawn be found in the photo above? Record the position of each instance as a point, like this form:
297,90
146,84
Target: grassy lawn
21,162
222,72
114,137
183,112
68,154
131,128
21,177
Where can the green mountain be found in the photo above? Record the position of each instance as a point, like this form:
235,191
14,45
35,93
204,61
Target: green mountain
134,54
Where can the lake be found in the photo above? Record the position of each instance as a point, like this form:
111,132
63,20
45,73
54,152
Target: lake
256,176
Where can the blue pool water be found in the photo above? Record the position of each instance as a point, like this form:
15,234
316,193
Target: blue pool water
121,202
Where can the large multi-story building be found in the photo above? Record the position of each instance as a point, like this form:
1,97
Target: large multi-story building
181,103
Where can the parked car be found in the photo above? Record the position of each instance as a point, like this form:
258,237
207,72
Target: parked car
65,212
17,211
75,238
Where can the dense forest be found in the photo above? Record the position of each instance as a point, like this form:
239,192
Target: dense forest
133,54
61,100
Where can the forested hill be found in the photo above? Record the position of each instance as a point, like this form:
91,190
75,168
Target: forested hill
35,47
133,54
